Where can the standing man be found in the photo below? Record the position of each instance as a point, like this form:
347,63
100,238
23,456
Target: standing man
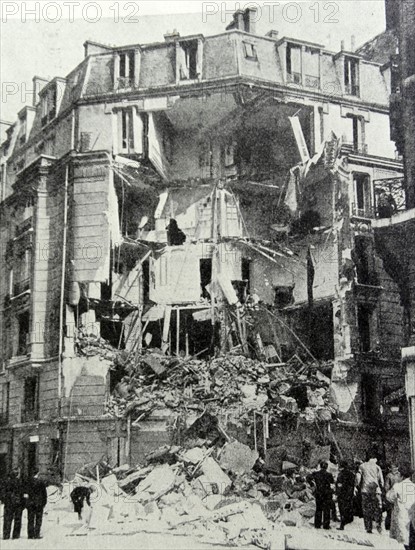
323,483
13,500
37,498
402,496
370,480
345,490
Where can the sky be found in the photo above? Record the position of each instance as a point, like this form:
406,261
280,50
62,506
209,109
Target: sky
45,38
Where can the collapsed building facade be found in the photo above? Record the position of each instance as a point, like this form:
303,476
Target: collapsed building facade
159,191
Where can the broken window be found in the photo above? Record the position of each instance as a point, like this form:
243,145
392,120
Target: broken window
205,275
370,397
363,257
23,323
126,69
351,76
246,273
250,51
31,399
364,315
293,63
187,52
362,195
283,296
312,68
145,267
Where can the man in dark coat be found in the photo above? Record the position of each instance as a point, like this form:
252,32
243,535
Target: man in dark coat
345,491
78,496
13,500
36,499
323,483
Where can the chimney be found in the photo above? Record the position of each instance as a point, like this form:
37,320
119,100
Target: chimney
352,43
38,84
250,16
272,34
171,36
342,45
238,21
392,14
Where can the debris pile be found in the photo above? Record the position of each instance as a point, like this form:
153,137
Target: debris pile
217,493
233,383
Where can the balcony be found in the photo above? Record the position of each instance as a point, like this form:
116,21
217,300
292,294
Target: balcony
311,81
367,212
366,294
20,287
30,415
124,82
294,78
348,147
25,226
352,89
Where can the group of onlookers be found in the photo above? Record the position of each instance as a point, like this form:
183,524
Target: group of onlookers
17,494
361,489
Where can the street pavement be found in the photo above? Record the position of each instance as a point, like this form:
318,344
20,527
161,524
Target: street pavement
70,535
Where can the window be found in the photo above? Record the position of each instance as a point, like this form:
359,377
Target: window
362,195
250,51
126,69
5,398
22,271
48,105
351,76
357,133
31,399
312,68
188,60
363,326
127,130
293,63
132,131
23,323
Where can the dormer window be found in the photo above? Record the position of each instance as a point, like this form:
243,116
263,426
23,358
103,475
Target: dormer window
48,104
293,63
250,51
22,130
351,76
188,60
126,69
311,63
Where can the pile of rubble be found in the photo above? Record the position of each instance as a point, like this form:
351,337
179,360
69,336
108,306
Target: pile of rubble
217,493
233,383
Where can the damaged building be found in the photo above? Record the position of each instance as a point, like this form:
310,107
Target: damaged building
198,197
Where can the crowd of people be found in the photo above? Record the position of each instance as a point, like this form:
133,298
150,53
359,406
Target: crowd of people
362,489
357,489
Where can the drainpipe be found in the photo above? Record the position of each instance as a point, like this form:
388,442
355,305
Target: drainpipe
62,295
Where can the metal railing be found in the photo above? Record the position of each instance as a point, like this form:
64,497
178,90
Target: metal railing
21,286
352,89
295,78
311,81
